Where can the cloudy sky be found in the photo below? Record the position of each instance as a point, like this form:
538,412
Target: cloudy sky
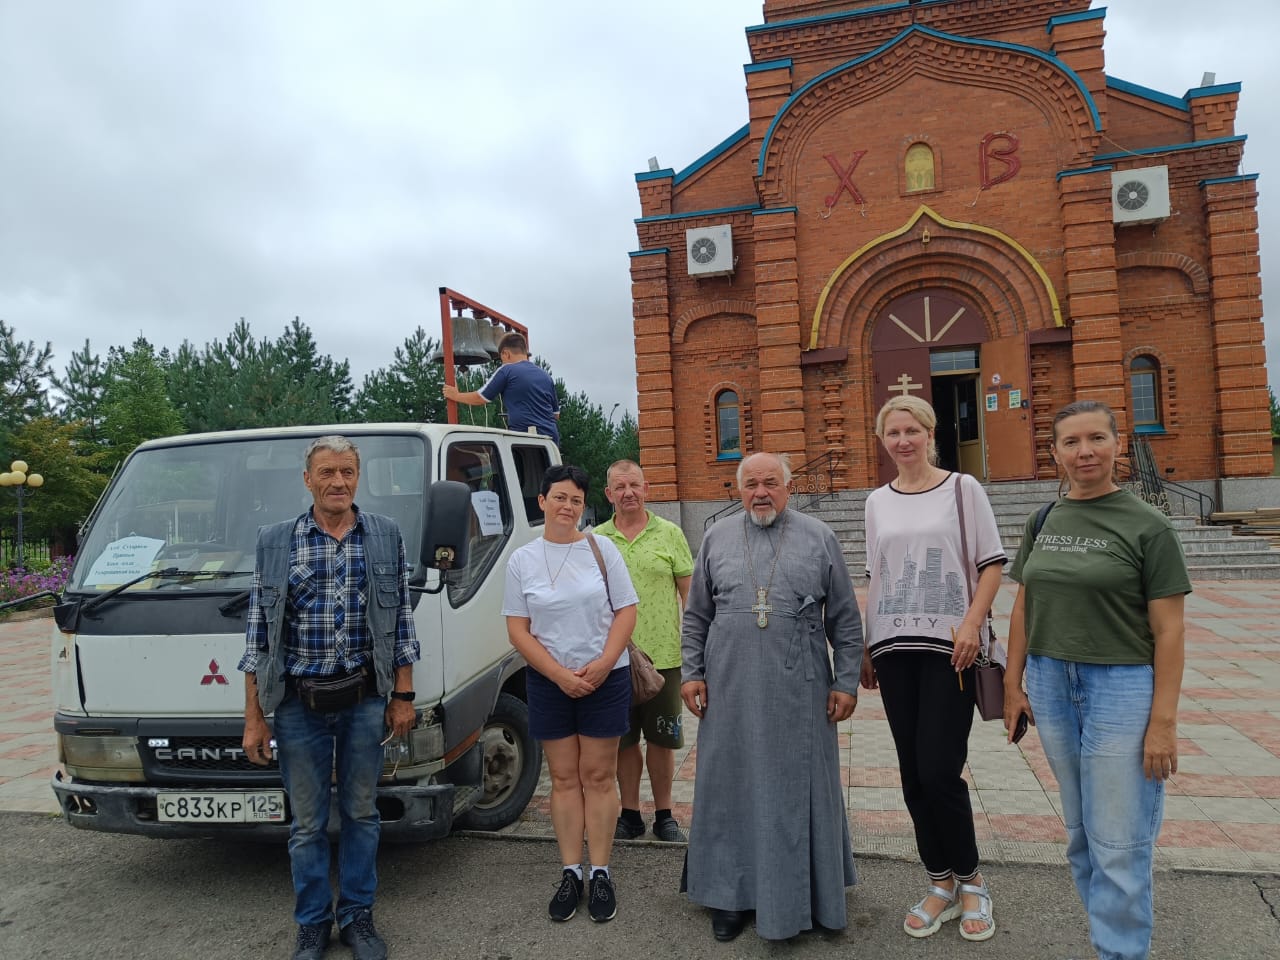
167,166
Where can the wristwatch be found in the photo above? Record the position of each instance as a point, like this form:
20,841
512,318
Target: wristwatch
403,695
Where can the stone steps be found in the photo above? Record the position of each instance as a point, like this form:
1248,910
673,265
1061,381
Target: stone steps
1212,552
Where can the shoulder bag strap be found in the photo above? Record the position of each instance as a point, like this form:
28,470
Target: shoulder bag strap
604,574
964,540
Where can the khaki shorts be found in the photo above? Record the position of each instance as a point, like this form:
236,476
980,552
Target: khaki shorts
661,719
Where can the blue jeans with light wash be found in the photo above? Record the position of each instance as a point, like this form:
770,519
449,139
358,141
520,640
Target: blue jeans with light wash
1092,719
309,744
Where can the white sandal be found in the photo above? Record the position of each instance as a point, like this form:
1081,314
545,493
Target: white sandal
932,923
984,913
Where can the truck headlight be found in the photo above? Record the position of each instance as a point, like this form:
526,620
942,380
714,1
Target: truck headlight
100,758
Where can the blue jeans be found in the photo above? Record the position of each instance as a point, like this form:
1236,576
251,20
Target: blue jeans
308,744
1092,720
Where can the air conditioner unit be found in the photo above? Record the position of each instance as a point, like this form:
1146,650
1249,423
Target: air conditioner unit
710,250
1140,196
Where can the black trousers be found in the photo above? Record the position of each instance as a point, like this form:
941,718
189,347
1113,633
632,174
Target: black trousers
930,717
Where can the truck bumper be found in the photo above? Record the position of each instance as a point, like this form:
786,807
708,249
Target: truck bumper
409,813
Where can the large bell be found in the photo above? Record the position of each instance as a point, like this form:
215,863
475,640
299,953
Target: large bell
469,347
492,334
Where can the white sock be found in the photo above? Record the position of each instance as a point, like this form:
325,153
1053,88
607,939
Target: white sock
604,869
576,868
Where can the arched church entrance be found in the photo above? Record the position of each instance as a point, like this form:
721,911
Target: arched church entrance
935,344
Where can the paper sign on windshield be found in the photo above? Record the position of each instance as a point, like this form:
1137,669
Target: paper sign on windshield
124,559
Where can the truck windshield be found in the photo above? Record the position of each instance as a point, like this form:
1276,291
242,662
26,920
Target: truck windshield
197,508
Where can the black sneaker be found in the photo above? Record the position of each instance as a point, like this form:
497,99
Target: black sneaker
669,831
568,895
603,904
363,939
312,941
626,830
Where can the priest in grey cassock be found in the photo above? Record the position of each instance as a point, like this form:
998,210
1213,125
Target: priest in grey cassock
770,591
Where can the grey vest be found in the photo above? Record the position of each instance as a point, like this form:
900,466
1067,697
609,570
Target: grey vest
382,573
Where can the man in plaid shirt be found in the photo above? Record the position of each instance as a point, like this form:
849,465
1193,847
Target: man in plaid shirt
330,650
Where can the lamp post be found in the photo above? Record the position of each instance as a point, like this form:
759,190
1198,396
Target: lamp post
612,412
20,479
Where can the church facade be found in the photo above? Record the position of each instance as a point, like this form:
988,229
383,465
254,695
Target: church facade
957,200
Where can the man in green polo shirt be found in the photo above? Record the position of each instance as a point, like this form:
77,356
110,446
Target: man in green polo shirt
661,567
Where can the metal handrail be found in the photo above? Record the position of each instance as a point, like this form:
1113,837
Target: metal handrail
1140,474
806,481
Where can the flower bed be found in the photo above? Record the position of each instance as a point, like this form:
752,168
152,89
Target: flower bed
18,582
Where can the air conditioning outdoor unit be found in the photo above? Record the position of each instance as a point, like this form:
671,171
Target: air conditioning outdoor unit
710,250
1140,196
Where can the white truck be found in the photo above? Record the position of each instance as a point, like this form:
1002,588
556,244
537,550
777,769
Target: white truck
149,705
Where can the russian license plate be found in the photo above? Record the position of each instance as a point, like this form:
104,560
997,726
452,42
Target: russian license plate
260,806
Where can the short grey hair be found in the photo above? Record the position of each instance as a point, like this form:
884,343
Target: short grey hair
334,444
783,458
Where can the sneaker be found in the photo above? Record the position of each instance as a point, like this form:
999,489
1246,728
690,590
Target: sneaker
568,895
312,941
603,904
668,831
363,939
626,830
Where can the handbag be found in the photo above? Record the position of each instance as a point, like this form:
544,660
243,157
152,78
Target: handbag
646,681
988,674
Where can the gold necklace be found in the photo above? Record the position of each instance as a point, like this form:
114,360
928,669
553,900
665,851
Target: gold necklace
556,576
762,607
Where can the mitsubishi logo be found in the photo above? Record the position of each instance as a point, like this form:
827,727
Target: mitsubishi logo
213,676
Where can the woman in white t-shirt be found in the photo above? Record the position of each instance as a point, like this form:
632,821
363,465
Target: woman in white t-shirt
572,628
931,588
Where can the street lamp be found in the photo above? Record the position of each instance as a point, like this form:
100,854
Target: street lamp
19,479
612,412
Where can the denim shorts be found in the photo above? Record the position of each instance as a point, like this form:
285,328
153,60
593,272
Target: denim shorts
603,713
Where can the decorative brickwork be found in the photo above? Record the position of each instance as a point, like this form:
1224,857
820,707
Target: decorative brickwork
954,152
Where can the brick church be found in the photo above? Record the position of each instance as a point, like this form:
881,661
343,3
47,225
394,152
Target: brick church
954,199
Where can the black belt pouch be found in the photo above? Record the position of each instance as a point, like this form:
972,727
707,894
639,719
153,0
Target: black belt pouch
333,693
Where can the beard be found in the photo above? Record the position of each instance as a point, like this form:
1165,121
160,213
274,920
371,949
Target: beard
765,520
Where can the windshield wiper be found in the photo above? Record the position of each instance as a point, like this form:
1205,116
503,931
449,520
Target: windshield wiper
168,573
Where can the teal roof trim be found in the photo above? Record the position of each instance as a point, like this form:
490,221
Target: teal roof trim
764,65
661,217
1216,90
1146,93
833,17
655,174
937,34
1171,148
1101,168
765,213
1075,18
649,253
1242,178
724,146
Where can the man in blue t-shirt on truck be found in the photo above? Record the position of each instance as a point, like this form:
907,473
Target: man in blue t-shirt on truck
527,390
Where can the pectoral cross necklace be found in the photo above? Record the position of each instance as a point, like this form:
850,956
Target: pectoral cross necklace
762,607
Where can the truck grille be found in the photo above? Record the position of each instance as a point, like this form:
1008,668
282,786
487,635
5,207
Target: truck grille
203,754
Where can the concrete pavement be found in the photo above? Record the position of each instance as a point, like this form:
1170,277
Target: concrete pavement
1222,812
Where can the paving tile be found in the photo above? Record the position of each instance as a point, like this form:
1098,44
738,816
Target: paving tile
1224,810
1254,837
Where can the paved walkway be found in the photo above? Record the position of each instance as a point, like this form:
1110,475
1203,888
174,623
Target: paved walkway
1222,810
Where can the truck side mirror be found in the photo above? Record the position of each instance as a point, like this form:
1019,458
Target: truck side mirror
448,526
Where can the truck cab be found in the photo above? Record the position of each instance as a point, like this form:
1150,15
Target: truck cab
149,705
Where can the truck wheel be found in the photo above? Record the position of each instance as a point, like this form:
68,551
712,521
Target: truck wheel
512,764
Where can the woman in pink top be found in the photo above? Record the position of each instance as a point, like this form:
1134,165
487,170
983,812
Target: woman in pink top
931,588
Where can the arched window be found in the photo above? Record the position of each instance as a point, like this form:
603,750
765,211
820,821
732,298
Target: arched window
919,167
1144,383
728,425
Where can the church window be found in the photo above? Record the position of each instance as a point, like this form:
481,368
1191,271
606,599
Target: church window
919,167
1144,385
728,426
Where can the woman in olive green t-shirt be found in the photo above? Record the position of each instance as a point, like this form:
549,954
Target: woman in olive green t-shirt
1097,634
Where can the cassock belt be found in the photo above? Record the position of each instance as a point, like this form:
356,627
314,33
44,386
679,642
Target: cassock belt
806,622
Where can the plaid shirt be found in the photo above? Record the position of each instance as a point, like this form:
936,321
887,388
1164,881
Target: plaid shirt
325,631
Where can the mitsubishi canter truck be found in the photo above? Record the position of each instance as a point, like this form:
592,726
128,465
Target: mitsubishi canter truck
149,705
